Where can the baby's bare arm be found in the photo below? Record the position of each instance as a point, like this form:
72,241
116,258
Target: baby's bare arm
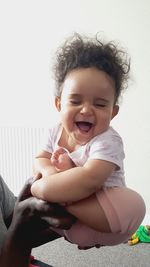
73,184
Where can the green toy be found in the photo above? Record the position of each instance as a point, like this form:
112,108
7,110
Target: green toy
141,235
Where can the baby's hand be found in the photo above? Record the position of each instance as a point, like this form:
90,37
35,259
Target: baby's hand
61,160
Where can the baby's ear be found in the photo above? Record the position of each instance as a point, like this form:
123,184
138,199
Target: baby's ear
58,103
115,111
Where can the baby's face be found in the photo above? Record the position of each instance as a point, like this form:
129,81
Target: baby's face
86,105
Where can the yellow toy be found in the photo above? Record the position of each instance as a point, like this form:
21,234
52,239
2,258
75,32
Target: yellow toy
141,235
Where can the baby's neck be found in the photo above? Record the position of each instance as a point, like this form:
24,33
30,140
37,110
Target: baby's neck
67,142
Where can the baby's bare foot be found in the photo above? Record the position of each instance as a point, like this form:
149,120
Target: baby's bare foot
61,160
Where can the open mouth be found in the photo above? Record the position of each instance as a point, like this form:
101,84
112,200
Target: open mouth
84,126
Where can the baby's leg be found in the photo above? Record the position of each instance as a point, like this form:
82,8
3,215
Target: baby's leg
124,209
61,160
90,213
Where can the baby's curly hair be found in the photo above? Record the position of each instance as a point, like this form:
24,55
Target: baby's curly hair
83,52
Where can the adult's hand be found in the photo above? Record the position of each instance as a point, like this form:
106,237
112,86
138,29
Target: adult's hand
33,219
31,226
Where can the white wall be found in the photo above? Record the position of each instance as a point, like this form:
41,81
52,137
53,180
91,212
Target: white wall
31,30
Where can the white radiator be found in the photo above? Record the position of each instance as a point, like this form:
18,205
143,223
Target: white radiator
18,146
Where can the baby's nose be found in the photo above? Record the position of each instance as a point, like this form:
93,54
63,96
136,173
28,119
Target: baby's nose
86,109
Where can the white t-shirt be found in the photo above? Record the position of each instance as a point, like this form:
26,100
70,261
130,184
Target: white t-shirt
106,146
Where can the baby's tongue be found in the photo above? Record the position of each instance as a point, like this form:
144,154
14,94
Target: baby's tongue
84,126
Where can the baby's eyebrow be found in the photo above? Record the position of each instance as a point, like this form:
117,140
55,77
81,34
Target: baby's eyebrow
74,95
102,99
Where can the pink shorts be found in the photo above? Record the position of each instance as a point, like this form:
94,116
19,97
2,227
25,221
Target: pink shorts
124,209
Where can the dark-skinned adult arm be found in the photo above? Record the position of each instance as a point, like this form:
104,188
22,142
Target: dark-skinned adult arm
31,227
